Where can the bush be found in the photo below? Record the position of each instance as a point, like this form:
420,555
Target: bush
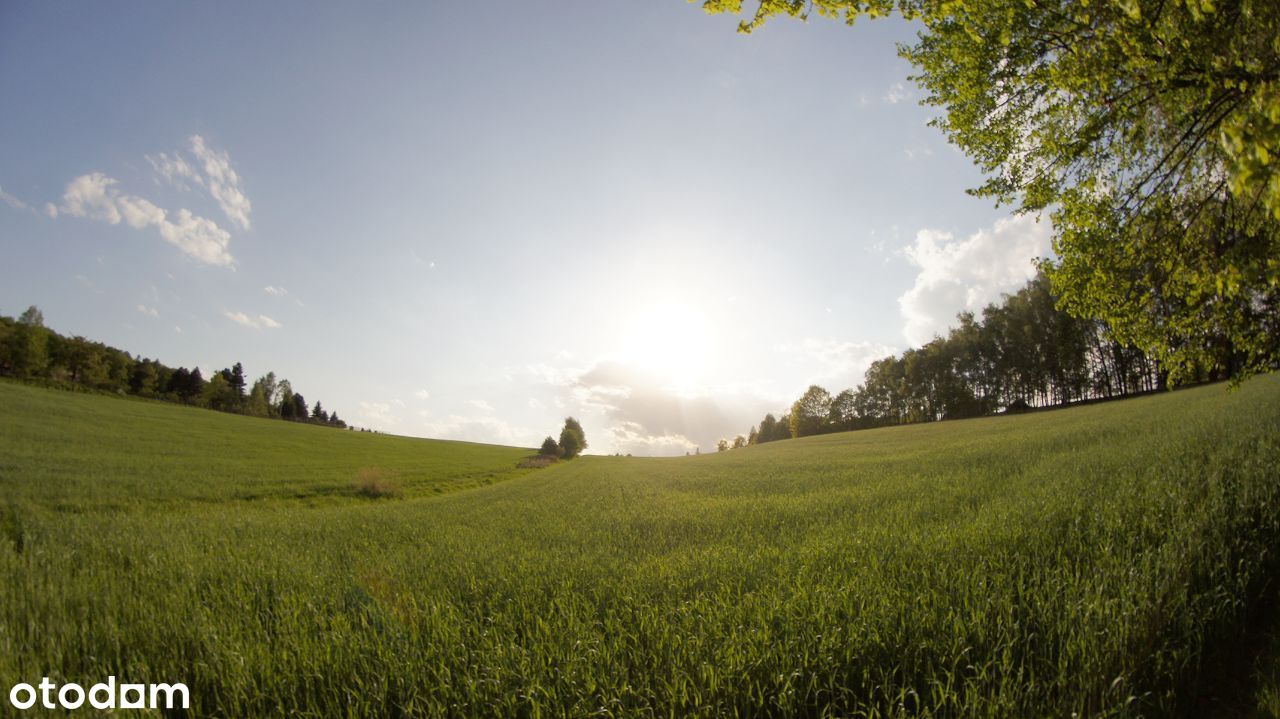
373,483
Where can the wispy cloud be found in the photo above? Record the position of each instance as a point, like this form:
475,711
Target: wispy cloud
148,311
897,93
210,170
422,394
257,323
224,183
175,170
96,197
480,404
14,202
275,291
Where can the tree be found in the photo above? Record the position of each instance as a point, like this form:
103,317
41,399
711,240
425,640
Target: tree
218,393
809,413
271,392
722,445
237,381
285,406
186,385
27,350
739,442
549,448
843,413
144,379
572,439
1149,130
753,437
768,428
318,414
257,404
298,412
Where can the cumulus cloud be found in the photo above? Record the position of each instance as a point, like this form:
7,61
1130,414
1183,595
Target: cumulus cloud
275,291
97,197
957,275
148,311
422,394
223,182
256,323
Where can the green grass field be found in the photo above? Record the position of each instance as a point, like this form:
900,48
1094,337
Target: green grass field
1109,560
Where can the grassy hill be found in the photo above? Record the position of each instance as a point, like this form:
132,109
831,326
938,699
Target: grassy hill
1106,560
76,452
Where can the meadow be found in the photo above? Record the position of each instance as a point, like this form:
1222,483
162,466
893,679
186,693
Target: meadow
1111,560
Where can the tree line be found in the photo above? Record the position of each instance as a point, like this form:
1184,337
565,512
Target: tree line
1019,354
31,351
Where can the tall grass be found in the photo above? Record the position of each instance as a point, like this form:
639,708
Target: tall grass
1091,561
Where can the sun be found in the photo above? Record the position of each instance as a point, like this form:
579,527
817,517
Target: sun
671,341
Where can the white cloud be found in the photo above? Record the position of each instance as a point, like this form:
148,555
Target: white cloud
957,275
95,197
833,363
199,237
51,210
241,318
630,438
486,429
139,213
646,416
377,415
257,323
176,170
480,404
275,291
12,201
148,311
898,93
422,394
211,170
223,182
912,153
92,196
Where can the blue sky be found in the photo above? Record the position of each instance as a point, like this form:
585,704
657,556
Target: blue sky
468,220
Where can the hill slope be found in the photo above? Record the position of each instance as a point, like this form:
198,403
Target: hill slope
1091,560
91,451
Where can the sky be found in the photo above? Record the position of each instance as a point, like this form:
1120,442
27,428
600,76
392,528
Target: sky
470,220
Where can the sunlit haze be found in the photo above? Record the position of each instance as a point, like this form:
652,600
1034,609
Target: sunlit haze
470,220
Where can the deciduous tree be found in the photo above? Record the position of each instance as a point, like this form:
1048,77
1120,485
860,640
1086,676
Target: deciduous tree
1148,130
